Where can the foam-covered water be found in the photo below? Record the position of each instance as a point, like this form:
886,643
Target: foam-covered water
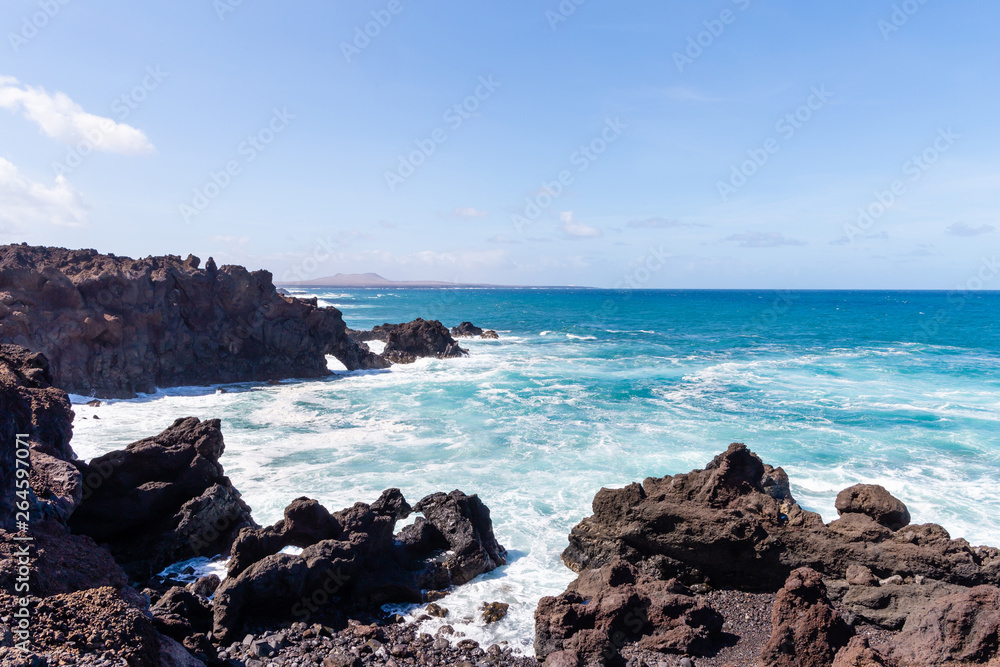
589,388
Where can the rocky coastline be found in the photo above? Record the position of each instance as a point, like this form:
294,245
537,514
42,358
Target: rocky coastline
718,567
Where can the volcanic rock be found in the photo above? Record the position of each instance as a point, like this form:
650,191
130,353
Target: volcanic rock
466,330
354,557
807,631
959,629
604,610
875,502
113,326
162,499
734,526
420,338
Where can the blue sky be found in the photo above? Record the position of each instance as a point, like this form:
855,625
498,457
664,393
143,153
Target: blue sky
669,144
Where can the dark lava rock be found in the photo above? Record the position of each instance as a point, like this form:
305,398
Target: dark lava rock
807,631
604,610
874,501
113,326
354,558
490,335
466,330
162,499
729,525
420,338
959,629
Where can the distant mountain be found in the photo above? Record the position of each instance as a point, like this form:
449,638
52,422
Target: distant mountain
375,280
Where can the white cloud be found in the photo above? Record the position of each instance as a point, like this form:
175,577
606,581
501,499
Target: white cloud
24,202
469,212
578,230
763,240
965,229
63,119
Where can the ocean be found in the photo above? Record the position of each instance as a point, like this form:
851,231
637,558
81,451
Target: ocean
592,388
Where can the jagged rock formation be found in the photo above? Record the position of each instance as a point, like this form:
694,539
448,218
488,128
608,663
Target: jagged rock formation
113,326
354,557
162,499
807,630
82,608
734,525
405,343
603,610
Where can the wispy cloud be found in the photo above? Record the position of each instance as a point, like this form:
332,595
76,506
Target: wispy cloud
577,230
763,240
24,202
965,229
686,94
469,212
500,238
61,118
843,240
660,223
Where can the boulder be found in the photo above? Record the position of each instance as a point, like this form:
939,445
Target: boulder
874,501
466,330
113,326
806,630
604,610
420,338
958,629
162,499
490,335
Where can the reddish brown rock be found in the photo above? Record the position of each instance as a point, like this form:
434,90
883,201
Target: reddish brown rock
807,631
874,501
857,653
604,610
957,630
733,525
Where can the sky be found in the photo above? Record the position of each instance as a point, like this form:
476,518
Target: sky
724,144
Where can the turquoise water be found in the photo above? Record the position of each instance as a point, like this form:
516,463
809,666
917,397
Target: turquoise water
591,388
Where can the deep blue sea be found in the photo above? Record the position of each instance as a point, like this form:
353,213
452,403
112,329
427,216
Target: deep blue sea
591,388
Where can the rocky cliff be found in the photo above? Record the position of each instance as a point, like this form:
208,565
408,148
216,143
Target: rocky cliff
113,326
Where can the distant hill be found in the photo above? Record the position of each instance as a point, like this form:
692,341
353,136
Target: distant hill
375,280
